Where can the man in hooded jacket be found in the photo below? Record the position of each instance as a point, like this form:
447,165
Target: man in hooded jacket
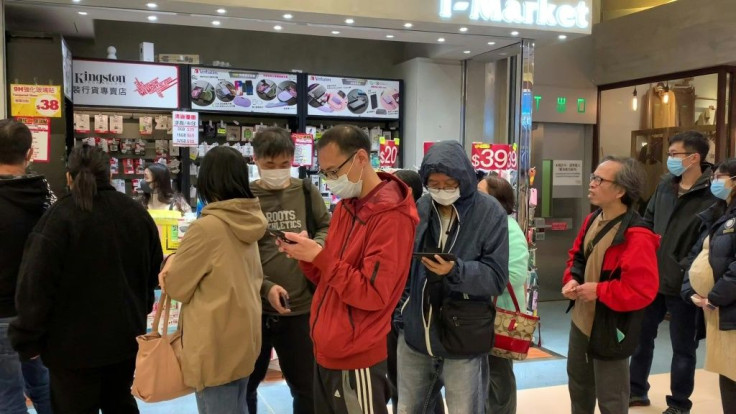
448,303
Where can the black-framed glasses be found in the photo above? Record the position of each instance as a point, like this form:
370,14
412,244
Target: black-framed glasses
446,189
599,180
674,154
332,174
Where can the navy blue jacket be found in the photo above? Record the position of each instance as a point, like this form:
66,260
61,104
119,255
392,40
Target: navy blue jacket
479,240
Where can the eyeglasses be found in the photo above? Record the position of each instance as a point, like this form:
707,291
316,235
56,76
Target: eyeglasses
332,175
674,154
446,189
717,176
598,180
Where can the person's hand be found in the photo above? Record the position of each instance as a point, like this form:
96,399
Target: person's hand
569,290
304,234
36,357
438,266
698,300
274,298
588,292
165,271
707,306
303,249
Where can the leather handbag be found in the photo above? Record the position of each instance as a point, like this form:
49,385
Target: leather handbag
158,374
514,331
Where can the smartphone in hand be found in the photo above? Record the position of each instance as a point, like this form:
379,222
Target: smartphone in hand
285,302
281,236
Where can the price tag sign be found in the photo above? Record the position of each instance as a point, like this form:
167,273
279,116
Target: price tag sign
493,157
41,134
185,131
35,100
389,152
303,150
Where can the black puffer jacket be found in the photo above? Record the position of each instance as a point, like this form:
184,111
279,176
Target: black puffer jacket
675,219
722,259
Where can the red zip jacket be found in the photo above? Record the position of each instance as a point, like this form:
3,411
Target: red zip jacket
629,275
360,275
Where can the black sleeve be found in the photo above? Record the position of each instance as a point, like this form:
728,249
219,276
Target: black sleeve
156,254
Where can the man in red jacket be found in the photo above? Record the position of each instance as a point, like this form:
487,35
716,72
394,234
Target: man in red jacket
360,274
611,276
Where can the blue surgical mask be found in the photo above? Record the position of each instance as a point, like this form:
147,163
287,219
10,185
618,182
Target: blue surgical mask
674,165
719,189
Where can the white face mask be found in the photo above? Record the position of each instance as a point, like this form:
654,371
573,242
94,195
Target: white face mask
344,188
276,179
445,198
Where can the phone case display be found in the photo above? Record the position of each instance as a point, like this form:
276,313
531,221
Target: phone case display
228,90
353,98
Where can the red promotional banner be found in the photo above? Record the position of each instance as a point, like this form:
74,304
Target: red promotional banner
492,157
389,153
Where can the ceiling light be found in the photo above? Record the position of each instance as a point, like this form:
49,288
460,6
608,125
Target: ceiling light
216,23
635,101
76,1
152,18
491,43
463,29
151,5
514,33
467,52
82,13
221,11
349,21
288,16
390,36
277,27
441,39
666,96
335,32
408,25
562,37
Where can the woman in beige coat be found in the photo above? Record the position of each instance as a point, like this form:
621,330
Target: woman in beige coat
216,274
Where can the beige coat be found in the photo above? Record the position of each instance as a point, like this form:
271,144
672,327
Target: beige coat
217,276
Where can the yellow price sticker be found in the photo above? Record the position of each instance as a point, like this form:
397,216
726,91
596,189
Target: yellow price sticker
35,100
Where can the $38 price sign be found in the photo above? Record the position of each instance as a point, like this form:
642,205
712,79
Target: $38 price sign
493,157
35,100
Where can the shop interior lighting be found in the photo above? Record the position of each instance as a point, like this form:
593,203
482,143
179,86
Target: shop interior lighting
151,5
82,13
467,52
152,18
562,37
288,16
277,28
666,97
76,1
441,39
408,25
349,21
491,43
216,23
221,11
514,33
635,101
463,29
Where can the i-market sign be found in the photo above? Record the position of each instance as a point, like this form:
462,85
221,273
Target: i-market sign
540,14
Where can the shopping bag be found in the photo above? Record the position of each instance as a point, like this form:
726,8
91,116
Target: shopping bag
158,375
514,331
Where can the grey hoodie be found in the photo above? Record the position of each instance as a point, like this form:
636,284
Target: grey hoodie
479,240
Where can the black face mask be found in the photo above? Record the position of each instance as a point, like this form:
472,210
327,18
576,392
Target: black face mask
146,187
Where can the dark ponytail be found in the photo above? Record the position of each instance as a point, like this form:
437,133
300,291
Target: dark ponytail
89,168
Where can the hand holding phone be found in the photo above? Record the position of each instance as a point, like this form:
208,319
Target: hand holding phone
281,236
285,302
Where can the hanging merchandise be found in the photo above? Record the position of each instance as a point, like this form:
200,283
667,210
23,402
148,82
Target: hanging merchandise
303,150
119,185
128,167
81,123
246,133
102,124
145,125
233,133
116,124
221,129
114,166
162,123
140,147
375,135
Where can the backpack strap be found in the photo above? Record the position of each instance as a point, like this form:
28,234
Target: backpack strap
311,222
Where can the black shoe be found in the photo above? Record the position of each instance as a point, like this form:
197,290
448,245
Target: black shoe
635,401
675,410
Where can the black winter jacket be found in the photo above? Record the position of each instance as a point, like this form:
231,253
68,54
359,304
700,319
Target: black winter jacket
675,219
722,259
86,283
23,200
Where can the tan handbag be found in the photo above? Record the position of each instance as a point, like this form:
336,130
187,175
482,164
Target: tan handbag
158,375
514,331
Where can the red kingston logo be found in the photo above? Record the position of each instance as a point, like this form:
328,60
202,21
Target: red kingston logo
154,86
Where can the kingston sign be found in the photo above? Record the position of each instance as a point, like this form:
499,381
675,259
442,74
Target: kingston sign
540,13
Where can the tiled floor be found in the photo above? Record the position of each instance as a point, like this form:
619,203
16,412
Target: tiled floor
542,384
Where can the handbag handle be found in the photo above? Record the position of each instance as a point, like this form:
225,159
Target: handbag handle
164,304
513,297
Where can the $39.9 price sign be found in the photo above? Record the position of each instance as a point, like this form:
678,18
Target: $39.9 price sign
389,152
493,157
35,100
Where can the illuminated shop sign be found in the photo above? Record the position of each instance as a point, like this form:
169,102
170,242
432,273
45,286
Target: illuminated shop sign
546,13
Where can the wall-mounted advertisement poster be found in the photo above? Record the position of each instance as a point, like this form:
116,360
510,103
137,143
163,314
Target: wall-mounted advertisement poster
233,90
353,98
125,84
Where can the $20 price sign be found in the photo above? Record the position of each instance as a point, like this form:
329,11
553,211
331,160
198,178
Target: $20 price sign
493,157
389,152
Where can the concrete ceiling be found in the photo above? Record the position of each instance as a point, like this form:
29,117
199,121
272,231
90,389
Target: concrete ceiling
63,16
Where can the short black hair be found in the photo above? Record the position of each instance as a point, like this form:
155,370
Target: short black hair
15,141
273,142
223,176
349,138
693,141
502,191
413,180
